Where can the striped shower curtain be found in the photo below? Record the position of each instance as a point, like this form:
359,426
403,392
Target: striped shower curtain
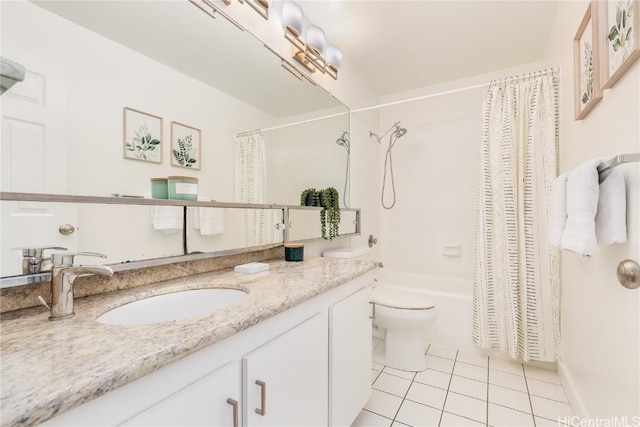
251,187
516,279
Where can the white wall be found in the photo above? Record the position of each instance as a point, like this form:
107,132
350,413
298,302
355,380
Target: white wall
600,318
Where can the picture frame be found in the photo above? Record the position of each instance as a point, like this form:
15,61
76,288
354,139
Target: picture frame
142,136
586,63
185,146
620,38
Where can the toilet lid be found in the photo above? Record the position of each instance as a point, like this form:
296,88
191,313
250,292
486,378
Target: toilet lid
396,298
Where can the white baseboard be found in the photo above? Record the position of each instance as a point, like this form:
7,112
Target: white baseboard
571,390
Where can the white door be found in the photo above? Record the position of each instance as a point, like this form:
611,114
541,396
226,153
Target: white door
293,372
211,401
349,357
34,159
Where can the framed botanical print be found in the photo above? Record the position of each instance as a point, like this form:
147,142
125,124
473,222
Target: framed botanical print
142,136
620,37
185,146
586,65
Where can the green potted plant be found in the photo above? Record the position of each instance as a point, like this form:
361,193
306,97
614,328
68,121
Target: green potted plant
329,200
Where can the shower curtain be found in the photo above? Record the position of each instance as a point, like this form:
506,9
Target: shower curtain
251,187
516,280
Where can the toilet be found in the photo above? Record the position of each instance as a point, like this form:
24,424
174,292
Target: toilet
400,316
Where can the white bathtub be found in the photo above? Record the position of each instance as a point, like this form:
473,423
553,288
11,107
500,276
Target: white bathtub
453,313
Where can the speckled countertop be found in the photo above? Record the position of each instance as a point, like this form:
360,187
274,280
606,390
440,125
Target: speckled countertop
49,367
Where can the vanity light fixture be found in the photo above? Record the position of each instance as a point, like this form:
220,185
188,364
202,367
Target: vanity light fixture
310,53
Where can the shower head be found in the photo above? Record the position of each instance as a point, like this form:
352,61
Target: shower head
400,132
344,140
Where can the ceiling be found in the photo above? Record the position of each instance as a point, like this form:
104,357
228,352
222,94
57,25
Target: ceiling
393,45
401,45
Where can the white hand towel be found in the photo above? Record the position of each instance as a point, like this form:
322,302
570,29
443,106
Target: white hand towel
210,221
168,218
558,210
611,219
582,203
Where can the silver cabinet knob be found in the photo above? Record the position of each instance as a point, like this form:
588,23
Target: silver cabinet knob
66,229
629,274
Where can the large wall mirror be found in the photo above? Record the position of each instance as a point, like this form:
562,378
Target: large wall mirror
179,72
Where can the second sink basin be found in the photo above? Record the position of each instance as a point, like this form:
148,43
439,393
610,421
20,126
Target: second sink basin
172,306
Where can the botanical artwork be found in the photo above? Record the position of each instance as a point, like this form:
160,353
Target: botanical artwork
621,41
587,63
142,136
185,146
586,74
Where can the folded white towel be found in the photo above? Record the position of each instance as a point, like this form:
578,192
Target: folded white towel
168,218
611,218
210,221
582,203
558,210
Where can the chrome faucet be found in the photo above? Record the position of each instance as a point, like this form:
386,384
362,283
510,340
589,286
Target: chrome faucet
63,274
33,259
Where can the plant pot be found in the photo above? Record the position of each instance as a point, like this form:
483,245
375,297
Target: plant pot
309,200
321,200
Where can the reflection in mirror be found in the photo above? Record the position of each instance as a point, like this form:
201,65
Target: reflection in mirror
304,224
63,127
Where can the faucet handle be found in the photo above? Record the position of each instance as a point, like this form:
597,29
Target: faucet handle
66,259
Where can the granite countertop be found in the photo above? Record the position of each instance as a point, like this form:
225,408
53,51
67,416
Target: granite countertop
51,366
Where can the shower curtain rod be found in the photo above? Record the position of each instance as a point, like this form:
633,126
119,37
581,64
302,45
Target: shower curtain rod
302,122
463,89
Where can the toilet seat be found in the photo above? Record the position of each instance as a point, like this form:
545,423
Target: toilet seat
401,299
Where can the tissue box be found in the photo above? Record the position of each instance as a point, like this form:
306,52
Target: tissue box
252,267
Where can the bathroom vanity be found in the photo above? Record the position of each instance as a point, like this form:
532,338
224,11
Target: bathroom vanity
295,351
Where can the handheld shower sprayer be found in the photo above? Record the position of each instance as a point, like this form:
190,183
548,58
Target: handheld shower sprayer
343,141
398,132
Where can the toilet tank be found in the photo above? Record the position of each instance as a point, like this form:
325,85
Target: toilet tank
362,252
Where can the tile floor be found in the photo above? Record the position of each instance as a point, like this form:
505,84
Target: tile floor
464,389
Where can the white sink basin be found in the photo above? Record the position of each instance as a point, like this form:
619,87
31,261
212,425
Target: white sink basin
173,306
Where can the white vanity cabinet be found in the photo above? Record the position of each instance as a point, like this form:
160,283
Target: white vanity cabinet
349,357
286,380
307,366
211,401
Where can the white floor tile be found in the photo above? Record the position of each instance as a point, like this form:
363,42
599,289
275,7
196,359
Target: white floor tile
550,409
467,407
504,379
439,364
374,375
383,404
546,390
451,420
369,419
427,395
377,367
541,374
468,387
434,378
392,384
500,416
472,358
509,398
398,373
510,366
415,414
442,351
399,424
470,371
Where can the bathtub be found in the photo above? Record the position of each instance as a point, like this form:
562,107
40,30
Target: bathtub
453,325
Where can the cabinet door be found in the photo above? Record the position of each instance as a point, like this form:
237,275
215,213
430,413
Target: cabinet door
203,403
293,369
349,357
